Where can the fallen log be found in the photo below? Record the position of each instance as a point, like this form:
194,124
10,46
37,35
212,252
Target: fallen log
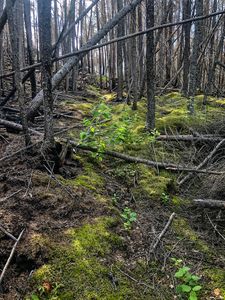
128,158
161,165
190,138
17,127
209,203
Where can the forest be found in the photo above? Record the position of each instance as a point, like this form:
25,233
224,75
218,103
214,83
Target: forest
112,149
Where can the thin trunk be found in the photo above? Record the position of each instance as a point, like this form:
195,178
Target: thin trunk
150,66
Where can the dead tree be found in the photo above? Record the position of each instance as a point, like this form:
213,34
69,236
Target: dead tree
44,17
150,66
16,39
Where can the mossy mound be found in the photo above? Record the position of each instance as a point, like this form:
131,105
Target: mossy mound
77,266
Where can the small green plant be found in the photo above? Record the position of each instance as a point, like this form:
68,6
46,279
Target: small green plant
129,217
115,199
165,198
92,135
153,135
188,286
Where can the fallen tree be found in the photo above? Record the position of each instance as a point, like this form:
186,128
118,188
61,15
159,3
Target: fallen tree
190,138
131,159
17,127
60,75
209,203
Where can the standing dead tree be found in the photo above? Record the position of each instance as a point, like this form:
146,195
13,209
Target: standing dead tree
44,16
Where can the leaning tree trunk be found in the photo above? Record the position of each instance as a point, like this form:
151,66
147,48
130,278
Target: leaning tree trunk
60,75
4,16
44,17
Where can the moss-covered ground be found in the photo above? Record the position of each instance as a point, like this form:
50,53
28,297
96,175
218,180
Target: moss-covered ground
92,255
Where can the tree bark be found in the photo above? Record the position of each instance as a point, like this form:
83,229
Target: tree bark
150,66
194,69
44,17
27,17
16,39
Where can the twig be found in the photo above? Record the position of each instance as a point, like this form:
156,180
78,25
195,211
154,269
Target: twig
11,256
155,245
203,163
7,233
19,151
70,193
10,196
215,227
135,280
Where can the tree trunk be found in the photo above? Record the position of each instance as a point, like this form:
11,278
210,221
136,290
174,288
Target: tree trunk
150,66
187,45
16,40
27,18
194,69
44,17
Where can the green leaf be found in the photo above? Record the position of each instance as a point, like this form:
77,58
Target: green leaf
181,272
195,278
34,297
185,288
193,296
197,288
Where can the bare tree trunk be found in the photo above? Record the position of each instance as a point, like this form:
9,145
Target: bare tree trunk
134,75
150,65
187,45
27,18
44,17
120,54
194,70
16,40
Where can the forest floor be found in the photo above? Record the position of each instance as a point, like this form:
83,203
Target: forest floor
91,227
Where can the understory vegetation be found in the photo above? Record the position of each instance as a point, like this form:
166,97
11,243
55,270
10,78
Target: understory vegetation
110,212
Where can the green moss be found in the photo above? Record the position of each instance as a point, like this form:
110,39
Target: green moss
216,280
94,91
150,184
78,264
109,97
183,229
84,108
178,201
89,179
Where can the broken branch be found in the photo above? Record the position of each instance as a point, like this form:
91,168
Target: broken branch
11,256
